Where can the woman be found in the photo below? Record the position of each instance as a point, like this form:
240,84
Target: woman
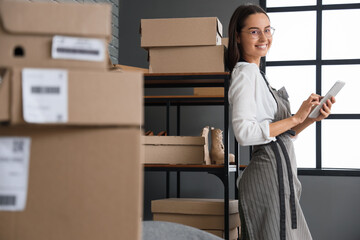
269,189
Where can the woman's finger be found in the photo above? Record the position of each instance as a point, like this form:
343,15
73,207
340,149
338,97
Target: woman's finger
333,100
324,113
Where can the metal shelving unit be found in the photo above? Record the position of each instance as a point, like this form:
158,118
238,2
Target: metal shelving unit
184,80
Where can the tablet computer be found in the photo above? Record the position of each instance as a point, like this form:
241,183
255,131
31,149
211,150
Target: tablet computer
338,85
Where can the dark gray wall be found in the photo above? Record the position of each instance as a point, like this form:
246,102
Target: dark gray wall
330,204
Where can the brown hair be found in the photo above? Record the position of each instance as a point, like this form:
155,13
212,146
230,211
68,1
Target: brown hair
237,22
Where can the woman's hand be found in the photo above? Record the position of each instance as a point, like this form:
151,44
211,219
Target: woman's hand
306,108
326,109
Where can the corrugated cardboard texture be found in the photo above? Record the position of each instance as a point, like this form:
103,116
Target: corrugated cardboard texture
95,98
199,221
187,59
84,183
174,150
180,32
47,18
225,42
4,94
31,26
120,67
193,206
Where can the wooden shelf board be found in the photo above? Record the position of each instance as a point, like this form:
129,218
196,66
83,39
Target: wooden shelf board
183,97
187,166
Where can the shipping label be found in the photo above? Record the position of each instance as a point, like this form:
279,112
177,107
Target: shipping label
14,172
73,48
45,95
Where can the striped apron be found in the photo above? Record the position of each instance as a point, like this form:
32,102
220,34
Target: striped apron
269,189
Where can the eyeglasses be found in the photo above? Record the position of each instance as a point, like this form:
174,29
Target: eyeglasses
256,33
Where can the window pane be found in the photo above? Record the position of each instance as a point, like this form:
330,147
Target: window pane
305,148
288,3
340,143
295,36
345,99
339,1
299,82
340,34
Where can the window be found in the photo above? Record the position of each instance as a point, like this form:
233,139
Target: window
315,44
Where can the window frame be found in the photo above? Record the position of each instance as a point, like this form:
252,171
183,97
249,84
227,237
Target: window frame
318,63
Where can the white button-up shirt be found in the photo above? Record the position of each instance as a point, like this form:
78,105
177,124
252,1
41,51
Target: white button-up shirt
253,106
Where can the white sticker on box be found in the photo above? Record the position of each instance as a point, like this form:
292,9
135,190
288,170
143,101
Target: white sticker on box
86,49
14,172
45,95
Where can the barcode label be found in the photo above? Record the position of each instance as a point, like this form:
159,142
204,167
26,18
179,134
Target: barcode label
7,200
18,146
14,171
78,51
85,49
45,90
45,95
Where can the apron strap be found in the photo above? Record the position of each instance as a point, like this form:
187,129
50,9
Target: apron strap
291,184
282,188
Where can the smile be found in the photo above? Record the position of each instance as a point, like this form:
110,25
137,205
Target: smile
261,46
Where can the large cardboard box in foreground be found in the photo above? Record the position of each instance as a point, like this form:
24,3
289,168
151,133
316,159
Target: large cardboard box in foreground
167,32
198,213
46,34
93,97
84,183
187,59
174,149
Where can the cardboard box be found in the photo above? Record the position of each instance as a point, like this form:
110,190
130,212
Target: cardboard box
209,91
119,67
180,32
225,42
198,213
4,94
233,233
94,98
194,206
199,221
174,149
84,183
187,59
27,30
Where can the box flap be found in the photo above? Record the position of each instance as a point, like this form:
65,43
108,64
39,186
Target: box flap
193,206
173,140
4,95
225,42
219,27
91,20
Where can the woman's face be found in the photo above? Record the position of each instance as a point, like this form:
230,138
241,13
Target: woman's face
254,44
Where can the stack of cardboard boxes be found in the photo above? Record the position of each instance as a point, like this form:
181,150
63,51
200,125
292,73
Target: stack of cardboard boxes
205,214
70,152
183,45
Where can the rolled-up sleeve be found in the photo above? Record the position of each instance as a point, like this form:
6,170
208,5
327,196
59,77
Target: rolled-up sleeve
247,128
